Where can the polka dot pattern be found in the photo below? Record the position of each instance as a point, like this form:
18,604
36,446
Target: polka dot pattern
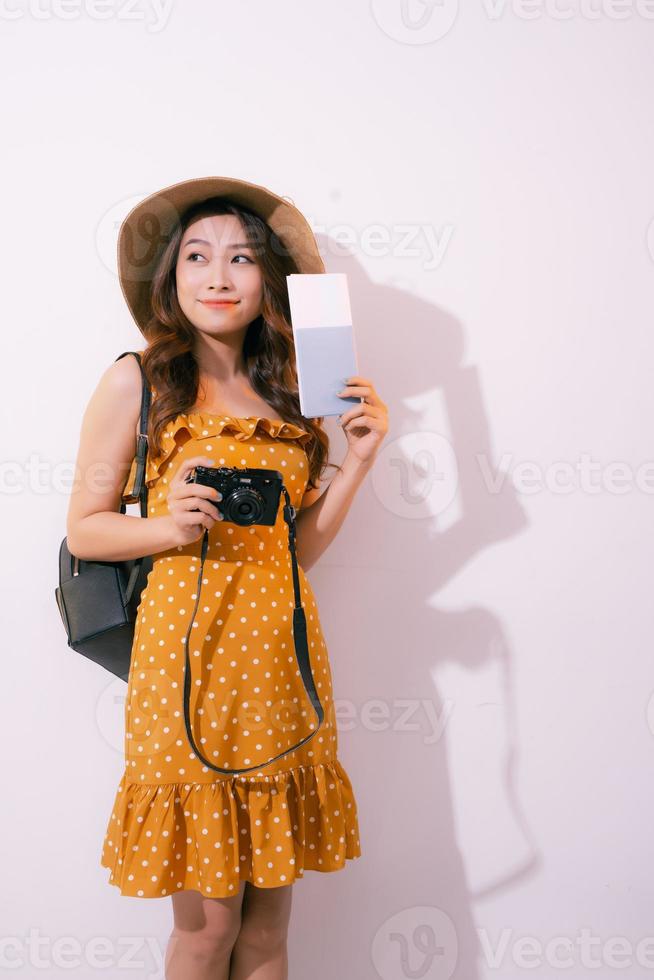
176,823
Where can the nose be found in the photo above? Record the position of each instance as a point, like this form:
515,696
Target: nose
219,275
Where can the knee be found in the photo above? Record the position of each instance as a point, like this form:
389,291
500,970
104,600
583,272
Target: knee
204,949
263,936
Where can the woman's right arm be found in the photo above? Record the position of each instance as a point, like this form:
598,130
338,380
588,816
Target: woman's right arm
95,528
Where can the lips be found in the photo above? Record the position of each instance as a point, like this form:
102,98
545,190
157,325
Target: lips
219,302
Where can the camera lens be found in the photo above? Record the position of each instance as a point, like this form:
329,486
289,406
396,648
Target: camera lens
244,506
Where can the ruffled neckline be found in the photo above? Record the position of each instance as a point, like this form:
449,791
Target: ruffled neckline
205,424
208,425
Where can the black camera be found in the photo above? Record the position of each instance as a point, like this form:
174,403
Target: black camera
249,495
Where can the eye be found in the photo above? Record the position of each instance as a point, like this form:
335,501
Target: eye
192,255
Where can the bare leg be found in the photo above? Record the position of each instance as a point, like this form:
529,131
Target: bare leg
260,952
203,936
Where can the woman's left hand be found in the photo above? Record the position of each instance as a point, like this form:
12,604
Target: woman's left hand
365,424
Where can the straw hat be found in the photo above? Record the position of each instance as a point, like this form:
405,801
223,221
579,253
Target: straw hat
145,231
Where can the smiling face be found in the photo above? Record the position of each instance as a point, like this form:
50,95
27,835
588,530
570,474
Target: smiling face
215,263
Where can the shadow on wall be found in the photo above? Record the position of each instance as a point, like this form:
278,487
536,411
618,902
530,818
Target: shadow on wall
408,899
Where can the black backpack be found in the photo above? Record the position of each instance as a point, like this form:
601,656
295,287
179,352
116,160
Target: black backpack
98,600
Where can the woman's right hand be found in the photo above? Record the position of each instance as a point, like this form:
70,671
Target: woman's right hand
190,504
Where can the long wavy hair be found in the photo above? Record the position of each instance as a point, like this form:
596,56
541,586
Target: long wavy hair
170,365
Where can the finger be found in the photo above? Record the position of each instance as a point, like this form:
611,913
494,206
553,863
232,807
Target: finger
192,488
188,518
366,421
368,395
199,504
188,464
197,461
187,521
356,412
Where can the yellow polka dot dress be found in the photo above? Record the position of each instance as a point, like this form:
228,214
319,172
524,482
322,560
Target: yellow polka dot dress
177,824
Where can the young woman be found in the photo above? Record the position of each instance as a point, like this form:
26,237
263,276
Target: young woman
202,266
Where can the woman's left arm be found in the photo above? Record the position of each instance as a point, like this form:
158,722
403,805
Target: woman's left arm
365,425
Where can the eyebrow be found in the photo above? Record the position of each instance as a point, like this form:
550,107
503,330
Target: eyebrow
203,242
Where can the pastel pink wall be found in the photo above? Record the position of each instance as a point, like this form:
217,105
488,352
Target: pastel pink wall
490,636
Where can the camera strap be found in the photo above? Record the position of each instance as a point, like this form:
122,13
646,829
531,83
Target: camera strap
299,639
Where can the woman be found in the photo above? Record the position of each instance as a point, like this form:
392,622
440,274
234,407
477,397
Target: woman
202,266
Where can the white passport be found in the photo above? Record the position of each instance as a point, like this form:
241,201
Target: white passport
324,340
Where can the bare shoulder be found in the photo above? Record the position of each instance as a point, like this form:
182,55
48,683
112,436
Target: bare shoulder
119,391
107,441
112,413
124,376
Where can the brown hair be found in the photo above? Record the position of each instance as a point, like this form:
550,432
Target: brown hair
169,363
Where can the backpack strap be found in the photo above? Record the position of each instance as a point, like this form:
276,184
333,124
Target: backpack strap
139,491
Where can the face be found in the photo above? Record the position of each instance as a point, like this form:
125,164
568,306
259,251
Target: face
215,263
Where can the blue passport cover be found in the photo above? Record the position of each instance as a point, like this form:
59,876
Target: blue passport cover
324,357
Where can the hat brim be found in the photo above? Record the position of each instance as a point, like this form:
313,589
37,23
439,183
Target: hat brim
145,231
